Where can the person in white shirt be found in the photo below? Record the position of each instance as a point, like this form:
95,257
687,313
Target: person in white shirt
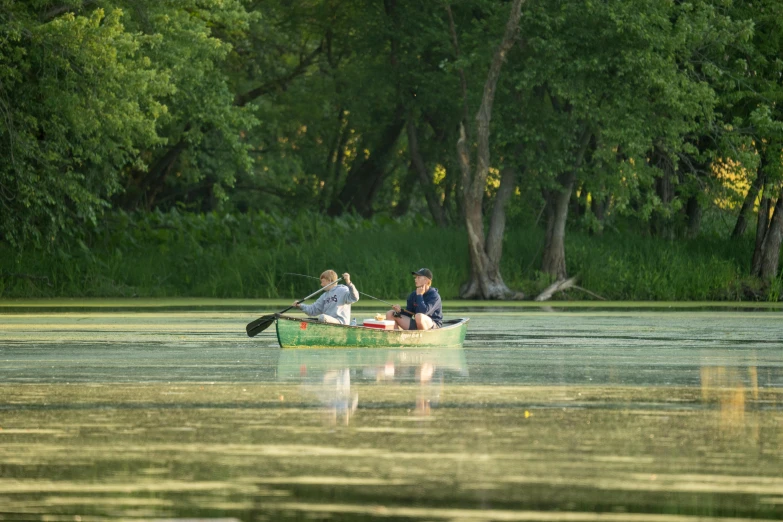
334,305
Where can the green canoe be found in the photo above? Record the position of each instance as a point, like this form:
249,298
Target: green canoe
296,332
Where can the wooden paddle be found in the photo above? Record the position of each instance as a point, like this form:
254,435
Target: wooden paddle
262,323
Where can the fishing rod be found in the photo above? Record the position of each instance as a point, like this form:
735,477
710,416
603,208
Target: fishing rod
313,277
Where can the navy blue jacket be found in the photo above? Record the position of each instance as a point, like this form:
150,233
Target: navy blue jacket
427,304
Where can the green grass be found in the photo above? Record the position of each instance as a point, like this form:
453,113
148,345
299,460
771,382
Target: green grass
44,305
176,255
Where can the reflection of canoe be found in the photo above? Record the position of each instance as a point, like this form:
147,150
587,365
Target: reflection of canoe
293,332
293,364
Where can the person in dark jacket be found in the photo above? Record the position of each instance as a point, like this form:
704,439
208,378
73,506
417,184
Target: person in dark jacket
424,310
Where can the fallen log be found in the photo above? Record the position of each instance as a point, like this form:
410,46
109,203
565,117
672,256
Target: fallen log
557,286
561,285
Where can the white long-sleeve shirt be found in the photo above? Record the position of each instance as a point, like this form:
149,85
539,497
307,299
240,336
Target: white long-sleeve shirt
335,302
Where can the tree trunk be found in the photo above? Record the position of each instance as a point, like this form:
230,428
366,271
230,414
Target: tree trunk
762,224
452,204
554,260
598,207
480,279
772,240
693,212
408,182
334,163
498,220
660,223
747,205
366,175
579,202
144,188
425,180
486,281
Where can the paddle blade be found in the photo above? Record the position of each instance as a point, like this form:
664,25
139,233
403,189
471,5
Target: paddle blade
259,325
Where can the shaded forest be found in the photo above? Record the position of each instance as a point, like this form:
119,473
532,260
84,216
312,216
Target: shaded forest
625,118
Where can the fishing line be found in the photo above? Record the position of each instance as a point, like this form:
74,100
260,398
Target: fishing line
313,277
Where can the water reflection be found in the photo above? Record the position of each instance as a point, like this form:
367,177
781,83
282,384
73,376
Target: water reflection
330,375
729,387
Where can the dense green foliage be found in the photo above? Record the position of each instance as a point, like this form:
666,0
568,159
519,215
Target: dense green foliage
220,255
78,102
190,147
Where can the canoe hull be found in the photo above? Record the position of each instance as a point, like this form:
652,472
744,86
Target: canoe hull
293,332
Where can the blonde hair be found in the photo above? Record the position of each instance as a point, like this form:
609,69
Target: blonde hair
329,275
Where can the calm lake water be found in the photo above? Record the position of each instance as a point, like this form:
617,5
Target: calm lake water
552,416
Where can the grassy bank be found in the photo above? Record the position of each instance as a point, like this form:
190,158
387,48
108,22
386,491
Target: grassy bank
249,256
262,306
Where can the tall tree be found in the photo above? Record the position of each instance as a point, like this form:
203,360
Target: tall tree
79,101
485,249
752,103
204,149
769,225
599,85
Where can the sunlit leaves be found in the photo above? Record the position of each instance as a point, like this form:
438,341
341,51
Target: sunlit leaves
193,42
633,74
78,101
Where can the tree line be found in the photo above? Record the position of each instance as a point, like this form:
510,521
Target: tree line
620,114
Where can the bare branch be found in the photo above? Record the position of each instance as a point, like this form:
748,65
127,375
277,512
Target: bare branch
558,286
57,11
279,83
462,80
485,111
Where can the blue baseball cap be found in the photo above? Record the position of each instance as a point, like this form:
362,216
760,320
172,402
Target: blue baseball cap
423,272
